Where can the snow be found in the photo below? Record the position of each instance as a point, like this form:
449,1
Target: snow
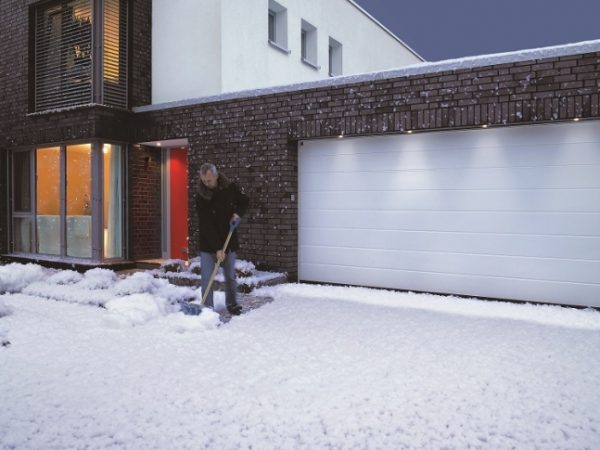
469,62
14,277
319,367
4,310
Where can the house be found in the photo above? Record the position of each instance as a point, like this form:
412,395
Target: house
472,177
209,47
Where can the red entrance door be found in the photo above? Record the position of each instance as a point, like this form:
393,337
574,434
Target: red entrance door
178,177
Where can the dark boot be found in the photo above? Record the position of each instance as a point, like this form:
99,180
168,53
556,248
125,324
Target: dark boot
234,310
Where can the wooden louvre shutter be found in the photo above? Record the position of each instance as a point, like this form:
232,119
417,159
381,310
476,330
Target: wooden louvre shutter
114,65
63,55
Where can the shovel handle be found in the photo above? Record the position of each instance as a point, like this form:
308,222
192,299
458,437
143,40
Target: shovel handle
232,226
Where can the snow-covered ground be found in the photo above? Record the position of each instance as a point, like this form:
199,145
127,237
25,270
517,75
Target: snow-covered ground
320,367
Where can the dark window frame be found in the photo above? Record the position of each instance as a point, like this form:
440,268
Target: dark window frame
104,91
97,174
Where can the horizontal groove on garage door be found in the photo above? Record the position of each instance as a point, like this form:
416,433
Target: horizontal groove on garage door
512,203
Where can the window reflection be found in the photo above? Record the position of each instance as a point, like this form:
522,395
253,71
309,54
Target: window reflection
48,200
112,205
79,200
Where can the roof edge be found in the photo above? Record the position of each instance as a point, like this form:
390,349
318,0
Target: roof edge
386,29
469,62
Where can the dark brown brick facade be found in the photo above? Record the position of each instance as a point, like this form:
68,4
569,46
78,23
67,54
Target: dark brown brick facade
140,52
19,127
144,200
254,139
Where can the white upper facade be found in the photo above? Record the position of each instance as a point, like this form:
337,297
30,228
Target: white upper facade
208,47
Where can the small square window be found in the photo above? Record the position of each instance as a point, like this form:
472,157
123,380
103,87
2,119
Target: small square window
335,58
308,44
277,26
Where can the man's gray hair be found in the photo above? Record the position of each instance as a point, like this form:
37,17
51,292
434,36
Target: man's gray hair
208,167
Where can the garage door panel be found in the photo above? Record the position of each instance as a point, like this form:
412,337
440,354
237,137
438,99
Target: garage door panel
426,159
578,271
548,177
506,204
564,224
585,248
572,200
470,285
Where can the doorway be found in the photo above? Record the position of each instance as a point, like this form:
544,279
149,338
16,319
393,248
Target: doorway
175,203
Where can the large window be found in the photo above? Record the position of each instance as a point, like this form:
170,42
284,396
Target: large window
48,200
22,216
69,68
68,201
112,205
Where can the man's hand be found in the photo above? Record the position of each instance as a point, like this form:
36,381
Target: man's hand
220,256
234,218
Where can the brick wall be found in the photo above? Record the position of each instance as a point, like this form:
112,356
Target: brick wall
254,139
144,202
140,54
20,128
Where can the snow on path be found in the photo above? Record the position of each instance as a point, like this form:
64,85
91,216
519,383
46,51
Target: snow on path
317,368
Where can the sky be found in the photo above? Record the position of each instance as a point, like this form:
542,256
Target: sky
444,29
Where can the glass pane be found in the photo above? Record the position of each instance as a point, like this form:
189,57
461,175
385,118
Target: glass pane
113,208
79,200
22,235
63,54
22,181
48,200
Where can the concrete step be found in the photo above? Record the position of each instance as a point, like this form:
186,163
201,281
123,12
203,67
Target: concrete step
245,284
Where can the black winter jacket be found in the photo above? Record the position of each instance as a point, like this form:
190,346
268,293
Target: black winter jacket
215,207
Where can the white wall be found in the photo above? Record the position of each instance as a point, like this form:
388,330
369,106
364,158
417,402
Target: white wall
186,49
222,46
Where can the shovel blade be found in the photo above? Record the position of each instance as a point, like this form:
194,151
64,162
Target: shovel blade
190,309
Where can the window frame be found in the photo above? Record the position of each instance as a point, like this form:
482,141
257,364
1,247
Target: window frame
97,179
277,27
102,93
309,44
335,58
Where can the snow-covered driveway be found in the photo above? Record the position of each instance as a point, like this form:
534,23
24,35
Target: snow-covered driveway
317,368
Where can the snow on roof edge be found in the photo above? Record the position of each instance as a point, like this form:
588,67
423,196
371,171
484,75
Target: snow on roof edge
414,69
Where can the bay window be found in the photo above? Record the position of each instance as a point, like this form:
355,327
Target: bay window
68,201
79,53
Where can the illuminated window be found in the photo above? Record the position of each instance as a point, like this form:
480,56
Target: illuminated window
68,201
64,56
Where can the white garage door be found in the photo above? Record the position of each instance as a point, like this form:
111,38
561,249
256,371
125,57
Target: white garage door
511,213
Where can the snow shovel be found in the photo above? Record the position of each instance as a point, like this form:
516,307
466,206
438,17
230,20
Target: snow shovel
232,226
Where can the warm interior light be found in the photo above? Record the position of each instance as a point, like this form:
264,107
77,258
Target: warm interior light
111,49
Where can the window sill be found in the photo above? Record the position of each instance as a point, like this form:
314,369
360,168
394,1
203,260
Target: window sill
308,63
74,108
279,47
